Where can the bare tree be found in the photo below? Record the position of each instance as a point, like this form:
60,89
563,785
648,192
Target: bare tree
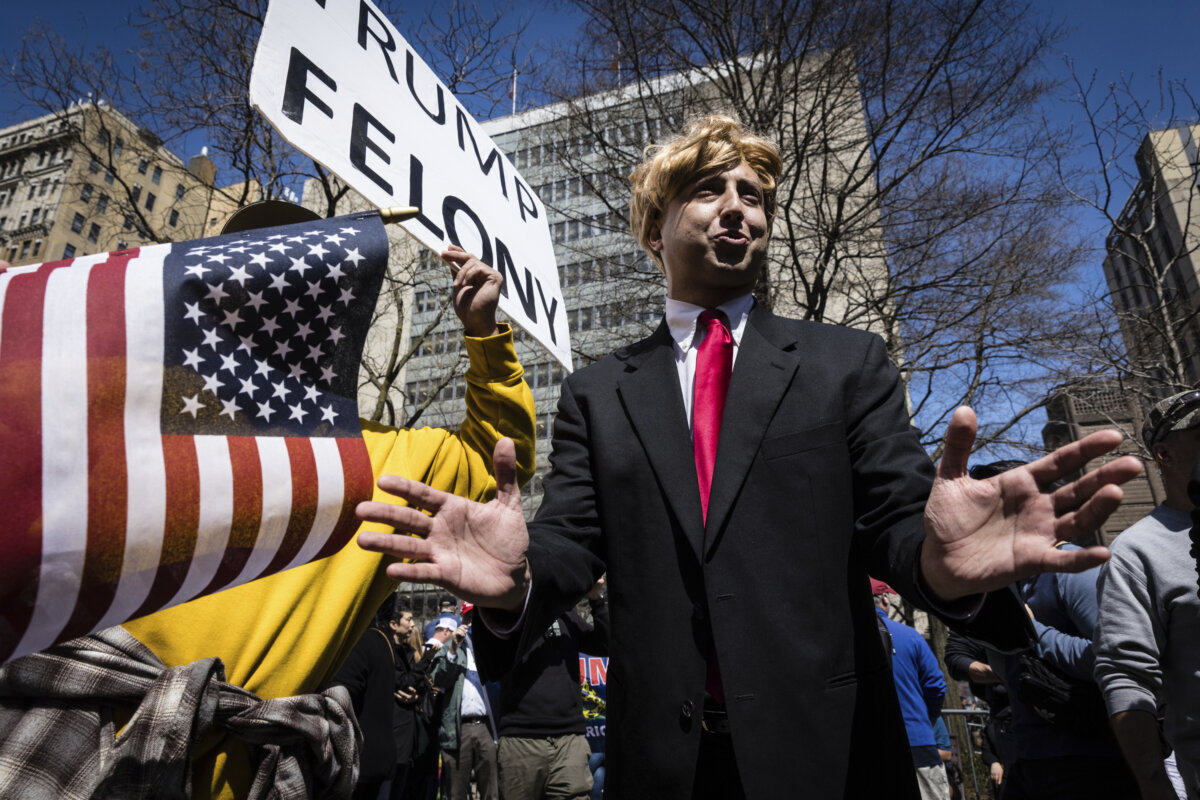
919,197
189,82
1141,184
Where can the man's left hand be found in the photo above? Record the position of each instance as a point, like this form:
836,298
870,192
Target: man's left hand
476,290
983,535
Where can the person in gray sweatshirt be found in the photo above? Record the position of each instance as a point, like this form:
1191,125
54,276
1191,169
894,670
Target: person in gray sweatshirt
1147,636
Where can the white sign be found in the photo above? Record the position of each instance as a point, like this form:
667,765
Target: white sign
341,84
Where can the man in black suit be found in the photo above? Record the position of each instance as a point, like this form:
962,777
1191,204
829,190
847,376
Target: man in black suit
745,543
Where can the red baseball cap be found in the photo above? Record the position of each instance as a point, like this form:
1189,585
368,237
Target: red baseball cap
879,588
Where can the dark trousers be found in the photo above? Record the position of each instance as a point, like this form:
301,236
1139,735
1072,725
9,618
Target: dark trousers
717,775
1069,778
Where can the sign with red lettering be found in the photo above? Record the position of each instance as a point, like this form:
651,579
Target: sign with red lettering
340,83
593,682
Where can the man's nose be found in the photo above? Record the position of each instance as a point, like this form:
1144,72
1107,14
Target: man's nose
732,205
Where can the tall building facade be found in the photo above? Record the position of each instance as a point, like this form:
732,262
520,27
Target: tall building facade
1079,409
1152,260
88,180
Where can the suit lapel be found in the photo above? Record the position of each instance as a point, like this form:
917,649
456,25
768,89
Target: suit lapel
763,372
650,395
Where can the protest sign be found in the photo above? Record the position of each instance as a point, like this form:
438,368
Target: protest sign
342,85
593,679
178,419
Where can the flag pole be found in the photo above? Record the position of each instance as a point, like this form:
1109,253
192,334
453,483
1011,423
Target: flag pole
398,213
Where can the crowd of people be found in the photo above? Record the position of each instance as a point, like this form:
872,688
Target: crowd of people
430,725
1102,705
738,479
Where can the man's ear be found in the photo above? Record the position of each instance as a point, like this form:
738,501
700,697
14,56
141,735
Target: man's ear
654,237
1162,454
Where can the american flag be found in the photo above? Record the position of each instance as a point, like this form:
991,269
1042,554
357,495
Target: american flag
178,419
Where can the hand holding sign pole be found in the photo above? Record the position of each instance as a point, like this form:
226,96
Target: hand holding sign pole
342,85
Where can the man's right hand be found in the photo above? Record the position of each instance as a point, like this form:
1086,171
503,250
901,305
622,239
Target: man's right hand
475,550
979,672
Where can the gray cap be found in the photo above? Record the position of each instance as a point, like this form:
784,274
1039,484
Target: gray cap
1176,413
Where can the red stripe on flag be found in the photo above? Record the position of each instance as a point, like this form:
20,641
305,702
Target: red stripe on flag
304,502
183,521
358,481
20,432
108,487
247,510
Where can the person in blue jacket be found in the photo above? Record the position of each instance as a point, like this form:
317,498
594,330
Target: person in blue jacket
920,687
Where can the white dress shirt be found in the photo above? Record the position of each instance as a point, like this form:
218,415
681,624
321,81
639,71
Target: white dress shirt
682,319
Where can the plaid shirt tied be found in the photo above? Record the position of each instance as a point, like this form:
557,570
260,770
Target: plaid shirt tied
58,739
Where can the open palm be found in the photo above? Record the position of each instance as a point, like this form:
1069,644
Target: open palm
982,535
475,550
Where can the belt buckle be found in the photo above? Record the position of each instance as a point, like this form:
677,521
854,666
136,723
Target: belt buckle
714,721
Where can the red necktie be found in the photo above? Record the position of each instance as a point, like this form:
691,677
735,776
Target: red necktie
714,365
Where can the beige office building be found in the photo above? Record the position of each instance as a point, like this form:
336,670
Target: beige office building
88,180
1152,260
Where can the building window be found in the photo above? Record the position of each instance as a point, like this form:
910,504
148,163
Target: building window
24,216
150,198
69,251
122,244
33,218
156,176
42,190
136,192
42,158
77,223
102,136
101,204
85,193
174,219
118,147
25,249
143,165
109,177
32,191
128,223
94,166
37,246
93,233
179,192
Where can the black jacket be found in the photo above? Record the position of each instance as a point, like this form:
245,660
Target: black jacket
369,674
404,716
819,479
541,695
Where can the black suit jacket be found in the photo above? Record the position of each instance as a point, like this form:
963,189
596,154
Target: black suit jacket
819,479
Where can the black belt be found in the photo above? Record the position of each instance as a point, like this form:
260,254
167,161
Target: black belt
714,719
474,720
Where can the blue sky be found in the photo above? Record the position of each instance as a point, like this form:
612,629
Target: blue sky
1110,38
